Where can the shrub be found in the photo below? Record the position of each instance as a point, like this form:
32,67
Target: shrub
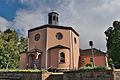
91,68
89,65
85,68
101,68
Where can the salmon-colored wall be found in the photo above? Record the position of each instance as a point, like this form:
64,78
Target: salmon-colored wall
40,44
98,60
67,63
23,61
54,58
54,54
53,41
75,50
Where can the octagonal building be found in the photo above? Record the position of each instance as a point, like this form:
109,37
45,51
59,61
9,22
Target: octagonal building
51,47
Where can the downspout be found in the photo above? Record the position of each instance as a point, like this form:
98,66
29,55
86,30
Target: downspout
105,57
27,54
46,47
28,44
71,49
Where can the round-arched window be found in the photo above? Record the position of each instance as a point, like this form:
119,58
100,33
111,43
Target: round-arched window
37,37
59,36
75,40
62,57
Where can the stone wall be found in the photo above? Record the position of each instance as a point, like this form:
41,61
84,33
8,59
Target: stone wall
56,76
69,75
45,75
116,75
88,75
20,76
30,76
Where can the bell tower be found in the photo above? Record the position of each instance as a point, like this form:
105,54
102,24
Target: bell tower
53,18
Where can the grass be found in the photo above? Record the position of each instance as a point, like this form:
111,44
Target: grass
23,70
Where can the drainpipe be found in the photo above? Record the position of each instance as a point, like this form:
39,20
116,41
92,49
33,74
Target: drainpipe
105,57
71,49
46,48
28,44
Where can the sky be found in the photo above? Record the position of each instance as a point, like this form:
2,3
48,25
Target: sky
90,18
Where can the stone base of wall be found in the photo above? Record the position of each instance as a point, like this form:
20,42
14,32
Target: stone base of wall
116,75
55,76
30,76
69,75
88,75
20,75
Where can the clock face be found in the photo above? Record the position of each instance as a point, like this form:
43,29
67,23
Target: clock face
59,36
37,37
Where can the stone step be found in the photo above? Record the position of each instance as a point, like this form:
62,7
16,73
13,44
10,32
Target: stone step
55,76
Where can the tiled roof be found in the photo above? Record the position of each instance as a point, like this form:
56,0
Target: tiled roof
53,26
88,52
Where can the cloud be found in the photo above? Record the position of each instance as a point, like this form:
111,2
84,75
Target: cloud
25,20
90,18
4,24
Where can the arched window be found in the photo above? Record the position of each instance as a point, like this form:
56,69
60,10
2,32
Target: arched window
75,40
62,57
57,19
54,17
91,59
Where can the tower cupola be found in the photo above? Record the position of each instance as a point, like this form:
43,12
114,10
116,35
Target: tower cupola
53,18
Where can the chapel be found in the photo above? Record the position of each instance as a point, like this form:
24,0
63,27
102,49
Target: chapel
51,46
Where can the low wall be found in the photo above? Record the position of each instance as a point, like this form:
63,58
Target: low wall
55,76
116,75
28,76
89,75
70,75
20,76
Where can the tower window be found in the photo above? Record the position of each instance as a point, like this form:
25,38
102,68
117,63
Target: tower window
75,40
59,36
50,19
91,59
62,57
54,17
57,19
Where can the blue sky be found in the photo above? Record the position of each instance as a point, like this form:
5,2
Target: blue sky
8,9
90,18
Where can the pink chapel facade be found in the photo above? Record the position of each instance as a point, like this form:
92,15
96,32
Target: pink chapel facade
51,47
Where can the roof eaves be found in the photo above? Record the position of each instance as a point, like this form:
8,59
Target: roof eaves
53,26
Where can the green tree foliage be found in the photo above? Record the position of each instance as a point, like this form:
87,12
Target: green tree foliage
10,48
89,65
113,42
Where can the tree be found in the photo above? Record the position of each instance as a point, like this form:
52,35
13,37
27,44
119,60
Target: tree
10,48
113,42
89,65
